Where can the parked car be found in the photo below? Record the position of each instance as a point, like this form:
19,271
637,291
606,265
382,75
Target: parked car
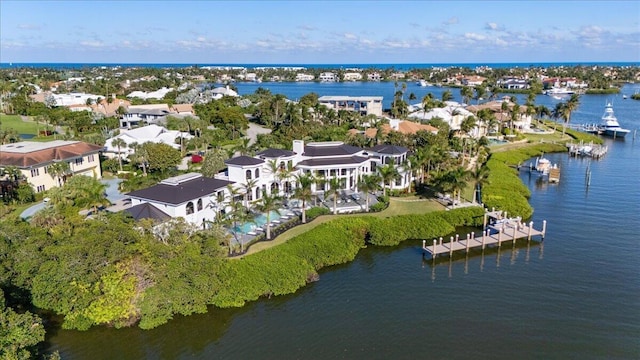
355,196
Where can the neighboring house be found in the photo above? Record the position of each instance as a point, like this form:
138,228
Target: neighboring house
364,105
141,135
513,83
453,114
473,80
328,77
374,76
304,77
352,76
158,94
221,91
195,198
523,121
34,158
140,115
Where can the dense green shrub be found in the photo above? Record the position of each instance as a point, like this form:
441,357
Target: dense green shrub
392,231
314,212
467,216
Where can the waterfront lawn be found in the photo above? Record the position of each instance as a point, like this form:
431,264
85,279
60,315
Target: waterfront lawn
397,206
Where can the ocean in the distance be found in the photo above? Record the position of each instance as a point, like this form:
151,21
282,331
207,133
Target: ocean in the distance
399,67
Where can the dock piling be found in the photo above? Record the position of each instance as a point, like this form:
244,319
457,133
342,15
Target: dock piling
544,228
451,247
529,232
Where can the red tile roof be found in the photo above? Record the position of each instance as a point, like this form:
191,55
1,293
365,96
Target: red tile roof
65,151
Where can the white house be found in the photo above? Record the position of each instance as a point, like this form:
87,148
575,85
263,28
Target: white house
195,198
304,77
141,135
158,94
453,114
352,76
364,105
328,77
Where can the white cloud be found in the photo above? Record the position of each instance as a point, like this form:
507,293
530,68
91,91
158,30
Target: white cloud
350,36
29,27
92,43
474,36
491,26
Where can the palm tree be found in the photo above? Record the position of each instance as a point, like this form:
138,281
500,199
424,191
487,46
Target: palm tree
59,171
303,192
570,106
368,184
118,142
248,190
479,176
237,213
455,181
388,173
267,204
447,95
467,93
334,187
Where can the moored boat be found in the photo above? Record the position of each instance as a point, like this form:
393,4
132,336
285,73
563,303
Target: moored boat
609,125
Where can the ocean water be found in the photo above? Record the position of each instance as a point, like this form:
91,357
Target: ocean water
576,295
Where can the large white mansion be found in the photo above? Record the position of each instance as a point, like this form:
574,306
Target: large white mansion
199,199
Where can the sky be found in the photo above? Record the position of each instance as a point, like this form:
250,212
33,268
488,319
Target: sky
319,32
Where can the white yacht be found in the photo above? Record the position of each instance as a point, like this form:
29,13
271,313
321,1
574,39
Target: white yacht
609,125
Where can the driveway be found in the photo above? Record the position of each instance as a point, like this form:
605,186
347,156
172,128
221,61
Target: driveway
112,191
254,130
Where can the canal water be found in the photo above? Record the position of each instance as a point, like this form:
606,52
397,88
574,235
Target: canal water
576,295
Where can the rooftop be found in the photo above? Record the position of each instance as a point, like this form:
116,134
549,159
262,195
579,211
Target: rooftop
180,189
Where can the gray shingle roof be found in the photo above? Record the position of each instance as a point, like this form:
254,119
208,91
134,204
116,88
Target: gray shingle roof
181,193
147,211
276,153
389,149
243,161
336,150
352,160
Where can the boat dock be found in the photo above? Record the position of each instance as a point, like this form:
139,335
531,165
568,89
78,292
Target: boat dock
595,151
501,229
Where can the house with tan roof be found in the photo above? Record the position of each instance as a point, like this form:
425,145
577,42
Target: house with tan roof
523,121
34,158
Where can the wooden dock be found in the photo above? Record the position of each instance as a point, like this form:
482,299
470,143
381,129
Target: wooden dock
502,229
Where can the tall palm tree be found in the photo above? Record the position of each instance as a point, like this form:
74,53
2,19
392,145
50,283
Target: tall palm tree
455,181
248,190
467,93
236,215
267,204
334,187
119,143
303,192
570,107
479,176
285,175
368,184
388,173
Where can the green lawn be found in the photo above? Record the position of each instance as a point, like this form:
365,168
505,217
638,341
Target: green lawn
23,127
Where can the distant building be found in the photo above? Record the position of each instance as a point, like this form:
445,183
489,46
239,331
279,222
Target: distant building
352,76
304,77
151,133
364,105
34,158
374,76
328,77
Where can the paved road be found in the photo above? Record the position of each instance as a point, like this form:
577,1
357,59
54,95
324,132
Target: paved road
113,195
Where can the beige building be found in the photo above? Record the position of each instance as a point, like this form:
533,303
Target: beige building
34,158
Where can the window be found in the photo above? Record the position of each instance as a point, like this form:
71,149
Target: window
275,188
46,169
388,160
199,204
189,208
35,172
90,158
281,166
79,161
287,187
220,196
257,193
40,188
343,172
257,173
249,195
248,174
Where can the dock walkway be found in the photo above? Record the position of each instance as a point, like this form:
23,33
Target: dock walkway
501,230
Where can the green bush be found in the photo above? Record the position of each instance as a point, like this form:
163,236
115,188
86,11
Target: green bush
392,231
314,212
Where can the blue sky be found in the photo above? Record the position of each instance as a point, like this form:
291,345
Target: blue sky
320,32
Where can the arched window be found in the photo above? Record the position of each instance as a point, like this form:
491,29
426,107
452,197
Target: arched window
281,165
257,193
189,208
257,173
388,160
199,204
248,174
274,188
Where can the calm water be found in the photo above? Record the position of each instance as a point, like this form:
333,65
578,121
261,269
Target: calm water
575,296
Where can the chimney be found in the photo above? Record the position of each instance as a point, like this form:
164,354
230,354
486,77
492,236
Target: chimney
298,147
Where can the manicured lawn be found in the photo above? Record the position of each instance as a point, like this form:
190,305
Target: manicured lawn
397,206
22,127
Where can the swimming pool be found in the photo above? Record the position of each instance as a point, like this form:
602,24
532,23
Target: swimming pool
258,221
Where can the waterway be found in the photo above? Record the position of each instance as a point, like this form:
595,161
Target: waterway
574,296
